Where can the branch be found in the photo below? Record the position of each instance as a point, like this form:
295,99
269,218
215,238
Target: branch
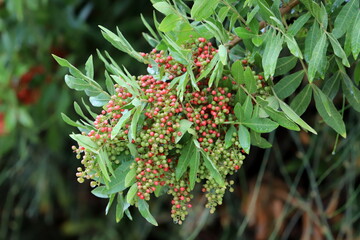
283,11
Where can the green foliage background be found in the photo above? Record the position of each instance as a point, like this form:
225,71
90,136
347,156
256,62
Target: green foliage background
37,181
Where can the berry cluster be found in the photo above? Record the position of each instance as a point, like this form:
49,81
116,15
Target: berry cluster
208,108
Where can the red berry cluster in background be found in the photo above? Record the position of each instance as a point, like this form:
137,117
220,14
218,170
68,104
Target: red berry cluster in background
2,124
208,108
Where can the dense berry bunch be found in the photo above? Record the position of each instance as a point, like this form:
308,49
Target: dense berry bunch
207,109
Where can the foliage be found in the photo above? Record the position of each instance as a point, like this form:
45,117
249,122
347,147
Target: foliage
270,60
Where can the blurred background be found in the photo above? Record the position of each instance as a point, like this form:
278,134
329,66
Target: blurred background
306,186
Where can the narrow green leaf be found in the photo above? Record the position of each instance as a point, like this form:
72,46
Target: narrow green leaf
169,23
344,19
143,207
184,127
120,123
164,8
228,136
117,180
89,67
287,85
355,36
210,166
247,108
188,153
328,111
285,64
104,164
266,12
130,177
338,49
203,8
271,54
311,40
316,57
194,167
357,73
222,13
281,119
119,208
351,92
261,125
293,46
85,142
301,102
244,33
290,113
223,54
298,24
100,192
131,193
331,85
249,80
76,83
111,200
259,141
239,112
244,138
68,120
99,100
237,71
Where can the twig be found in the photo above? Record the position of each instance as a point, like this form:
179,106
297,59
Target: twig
283,11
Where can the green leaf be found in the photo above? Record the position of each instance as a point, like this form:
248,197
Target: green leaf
89,67
311,40
130,177
76,83
328,111
344,19
316,57
184,126
85,142
261,125
99,100
239,112
290,113
210,166
223,54
285,64
281,119
104,164
271,54
338,49
302,100
117,180
120,123
131,193
247,107
259,141
119,208
111,200
244,138
355,36
169,23
266,13
143,207
298,24
188,154
237,71
71,122
244,33
229,136
222,13
293,46
357,73
203,8
351,92
100,192
249,80
331,85
135,119
287,85
164,8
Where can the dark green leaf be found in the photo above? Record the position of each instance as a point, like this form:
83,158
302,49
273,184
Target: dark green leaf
271,53
244,33
237,71
120,123
285,64
188,154
131,193
351,92
316,57
298,24
355,36
259,141
104,163
239,112
169,23
331,85
100,192
311,40
89,67
119,208
144,211
130,177
344,19
244,138
287,86
293,46
249,80
261,125
111,200
194,167
281,119
71,122
117,180
302,100
203,9
247,108
338,49
328,111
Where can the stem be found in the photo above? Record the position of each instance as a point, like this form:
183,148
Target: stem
283,11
